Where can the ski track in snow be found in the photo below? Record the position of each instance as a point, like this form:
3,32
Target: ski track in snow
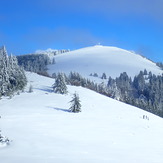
43,131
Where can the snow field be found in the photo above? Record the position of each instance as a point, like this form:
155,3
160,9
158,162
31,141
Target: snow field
43,131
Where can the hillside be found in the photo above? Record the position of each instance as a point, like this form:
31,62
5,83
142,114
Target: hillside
42,130
99,59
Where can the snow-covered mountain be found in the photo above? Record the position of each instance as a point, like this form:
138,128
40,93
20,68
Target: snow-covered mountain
99,59
42,130
106,130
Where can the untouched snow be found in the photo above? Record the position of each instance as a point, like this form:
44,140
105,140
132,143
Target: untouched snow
100,59
43,131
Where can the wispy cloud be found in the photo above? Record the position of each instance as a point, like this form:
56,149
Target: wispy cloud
64,36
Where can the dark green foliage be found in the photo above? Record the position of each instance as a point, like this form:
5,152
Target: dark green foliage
145,72
76,79
75,104
34,62
144,91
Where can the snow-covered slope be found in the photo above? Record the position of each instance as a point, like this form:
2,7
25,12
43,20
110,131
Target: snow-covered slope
100,59
43,131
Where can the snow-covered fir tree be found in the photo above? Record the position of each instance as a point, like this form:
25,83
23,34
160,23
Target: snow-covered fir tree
75,104
60,85
12,77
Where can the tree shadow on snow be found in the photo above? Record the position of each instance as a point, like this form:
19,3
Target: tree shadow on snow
59,109
45,89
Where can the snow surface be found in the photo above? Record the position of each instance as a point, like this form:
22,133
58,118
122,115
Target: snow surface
106,131
100,59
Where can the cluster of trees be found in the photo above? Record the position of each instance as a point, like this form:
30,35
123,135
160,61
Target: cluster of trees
35,62
144,91
12,77
60,87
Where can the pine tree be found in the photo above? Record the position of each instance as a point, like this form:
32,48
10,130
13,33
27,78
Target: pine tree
12,77
60,84
75,104
103,76
4,69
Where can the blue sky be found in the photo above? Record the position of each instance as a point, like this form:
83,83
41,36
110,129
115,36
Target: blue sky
28,25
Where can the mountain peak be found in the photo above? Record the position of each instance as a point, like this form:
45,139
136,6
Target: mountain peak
100,59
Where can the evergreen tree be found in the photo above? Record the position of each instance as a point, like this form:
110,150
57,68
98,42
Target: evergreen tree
145,72
139,82
75,104
12,77
60,84
103,76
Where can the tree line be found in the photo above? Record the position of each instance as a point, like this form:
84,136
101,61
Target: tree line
144,91
35,62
